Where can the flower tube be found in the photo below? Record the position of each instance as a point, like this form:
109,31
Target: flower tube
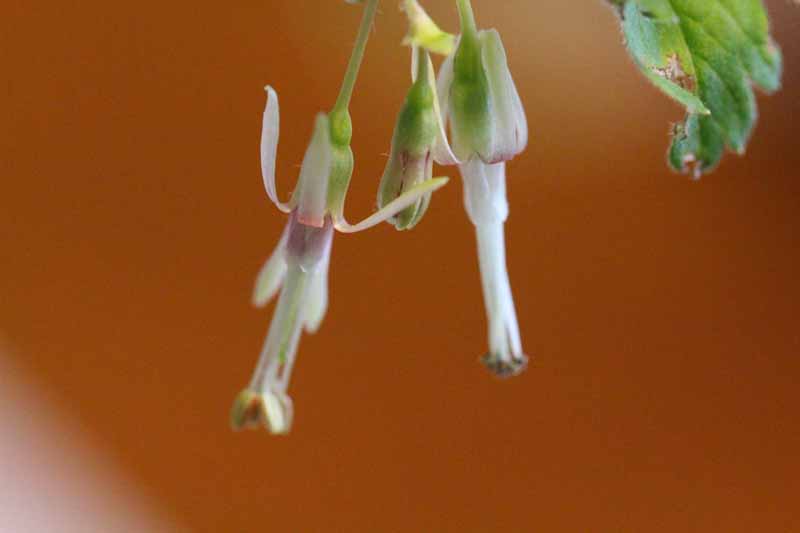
298,267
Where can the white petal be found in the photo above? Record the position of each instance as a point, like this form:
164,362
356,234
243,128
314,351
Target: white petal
406,199
271,275
311,194
441,151
317,297
443,83
270,130
510,127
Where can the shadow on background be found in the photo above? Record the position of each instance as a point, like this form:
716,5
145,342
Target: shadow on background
661,314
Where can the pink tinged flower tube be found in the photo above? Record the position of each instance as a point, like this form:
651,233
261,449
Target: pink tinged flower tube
298,267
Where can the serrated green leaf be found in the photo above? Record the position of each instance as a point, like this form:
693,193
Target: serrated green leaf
705,54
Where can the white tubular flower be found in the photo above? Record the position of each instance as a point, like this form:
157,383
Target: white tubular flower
488,127
487,208
303,255
299,265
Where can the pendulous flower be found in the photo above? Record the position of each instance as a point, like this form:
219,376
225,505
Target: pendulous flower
299,265
488,127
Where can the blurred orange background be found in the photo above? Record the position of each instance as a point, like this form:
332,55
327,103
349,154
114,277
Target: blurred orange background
661,315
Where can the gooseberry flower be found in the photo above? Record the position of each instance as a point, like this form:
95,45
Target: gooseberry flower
419,139
488,127
299,265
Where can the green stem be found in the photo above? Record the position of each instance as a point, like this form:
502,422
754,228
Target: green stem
467,17
422,64
346,92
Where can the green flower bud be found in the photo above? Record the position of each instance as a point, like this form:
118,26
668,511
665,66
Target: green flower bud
416,143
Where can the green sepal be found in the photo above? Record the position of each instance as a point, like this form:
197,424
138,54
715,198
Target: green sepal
416,124
342,164
471,124
415,134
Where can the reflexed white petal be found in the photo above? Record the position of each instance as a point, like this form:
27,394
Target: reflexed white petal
311,194
270,130
406,199
271,275
510,127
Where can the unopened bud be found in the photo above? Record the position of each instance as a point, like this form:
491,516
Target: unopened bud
417,134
